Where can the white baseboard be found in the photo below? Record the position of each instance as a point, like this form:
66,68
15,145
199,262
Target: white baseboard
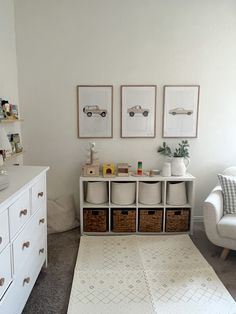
198,219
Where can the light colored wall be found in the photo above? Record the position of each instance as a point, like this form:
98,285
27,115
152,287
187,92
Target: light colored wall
64,43
8,65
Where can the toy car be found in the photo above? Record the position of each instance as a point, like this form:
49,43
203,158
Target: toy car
136,110
91,110
180,111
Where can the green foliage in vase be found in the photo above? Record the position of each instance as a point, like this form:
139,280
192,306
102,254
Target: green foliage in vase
181,151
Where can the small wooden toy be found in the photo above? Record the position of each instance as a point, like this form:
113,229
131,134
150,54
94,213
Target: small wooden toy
91,167
123,170
140,168
108,170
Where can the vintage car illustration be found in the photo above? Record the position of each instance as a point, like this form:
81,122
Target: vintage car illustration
180,111
138,110
94,110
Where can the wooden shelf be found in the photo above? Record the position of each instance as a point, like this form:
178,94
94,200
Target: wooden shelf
11,120
15,155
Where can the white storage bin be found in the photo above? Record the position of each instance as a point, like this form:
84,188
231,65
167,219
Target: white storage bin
149,193
97,192
176,193
123,193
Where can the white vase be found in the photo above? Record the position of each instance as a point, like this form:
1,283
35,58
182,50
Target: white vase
178,167
166,170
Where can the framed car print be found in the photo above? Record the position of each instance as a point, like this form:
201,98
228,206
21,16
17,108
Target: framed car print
180,111
138,111
95,111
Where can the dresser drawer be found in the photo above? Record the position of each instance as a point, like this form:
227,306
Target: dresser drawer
28,240
4,230
39,195
5,270
16,296
19,213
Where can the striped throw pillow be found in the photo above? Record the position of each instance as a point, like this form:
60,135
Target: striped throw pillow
228,185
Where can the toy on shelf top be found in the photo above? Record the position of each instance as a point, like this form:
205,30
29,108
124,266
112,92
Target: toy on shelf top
92,153
91,167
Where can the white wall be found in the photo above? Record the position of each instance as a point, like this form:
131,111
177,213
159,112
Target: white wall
64,43
8,66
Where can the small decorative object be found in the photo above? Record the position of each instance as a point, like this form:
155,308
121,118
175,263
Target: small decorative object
123,193
4,146
91,167
154,172
17,143
108,170
181,154
14,111
138,110
176,193
95,111
140,168
181,105
166,170
149,193
97,192
6,108
123,170
2,116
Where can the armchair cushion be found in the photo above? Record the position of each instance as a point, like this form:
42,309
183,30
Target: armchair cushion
227,226
228,184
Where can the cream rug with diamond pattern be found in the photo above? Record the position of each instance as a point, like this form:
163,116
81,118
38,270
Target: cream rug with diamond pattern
145,275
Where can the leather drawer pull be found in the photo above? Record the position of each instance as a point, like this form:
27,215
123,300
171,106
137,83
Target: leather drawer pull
124,212
41,221
41,251
26,280
40,194
23,212
2,281
95,212
26,245
0,240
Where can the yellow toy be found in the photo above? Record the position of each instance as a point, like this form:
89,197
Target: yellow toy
108,170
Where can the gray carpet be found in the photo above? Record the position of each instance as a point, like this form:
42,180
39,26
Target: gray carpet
52,289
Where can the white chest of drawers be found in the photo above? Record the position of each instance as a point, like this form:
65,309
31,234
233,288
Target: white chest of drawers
23,235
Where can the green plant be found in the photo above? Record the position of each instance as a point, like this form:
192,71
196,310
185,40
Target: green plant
181,151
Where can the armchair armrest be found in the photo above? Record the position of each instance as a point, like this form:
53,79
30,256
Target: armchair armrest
212,213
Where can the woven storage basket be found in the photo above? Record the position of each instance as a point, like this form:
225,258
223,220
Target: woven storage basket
95,220
150,220
177,220
124,220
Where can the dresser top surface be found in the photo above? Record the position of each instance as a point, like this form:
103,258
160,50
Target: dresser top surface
19,177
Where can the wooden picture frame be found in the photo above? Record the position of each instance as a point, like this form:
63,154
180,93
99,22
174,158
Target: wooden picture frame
95,111
138,111
180,111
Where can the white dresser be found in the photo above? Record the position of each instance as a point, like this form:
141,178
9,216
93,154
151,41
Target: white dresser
23,235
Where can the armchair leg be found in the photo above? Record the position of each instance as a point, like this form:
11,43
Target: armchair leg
224,254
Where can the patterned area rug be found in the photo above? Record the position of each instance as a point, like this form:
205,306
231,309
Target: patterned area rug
145,275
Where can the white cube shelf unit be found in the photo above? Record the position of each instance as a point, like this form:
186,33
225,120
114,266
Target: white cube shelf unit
109,207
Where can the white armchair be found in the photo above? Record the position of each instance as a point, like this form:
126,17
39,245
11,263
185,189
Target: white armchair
220,228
